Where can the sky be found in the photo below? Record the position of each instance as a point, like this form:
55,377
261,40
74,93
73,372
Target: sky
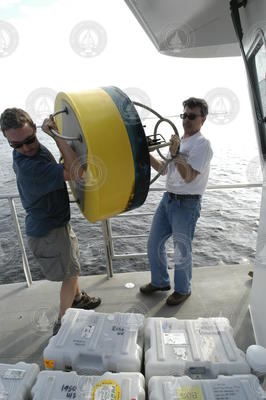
54,50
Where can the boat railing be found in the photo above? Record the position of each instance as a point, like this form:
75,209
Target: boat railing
106,229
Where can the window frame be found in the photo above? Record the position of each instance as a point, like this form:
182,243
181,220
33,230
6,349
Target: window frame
258,43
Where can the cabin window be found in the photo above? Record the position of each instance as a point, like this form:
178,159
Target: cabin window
257,63
260,61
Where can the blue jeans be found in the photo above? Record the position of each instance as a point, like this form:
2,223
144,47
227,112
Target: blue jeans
176,218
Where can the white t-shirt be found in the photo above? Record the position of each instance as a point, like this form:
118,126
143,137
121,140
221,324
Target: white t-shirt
198,153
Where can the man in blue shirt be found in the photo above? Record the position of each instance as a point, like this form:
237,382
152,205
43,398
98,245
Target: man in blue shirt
44,196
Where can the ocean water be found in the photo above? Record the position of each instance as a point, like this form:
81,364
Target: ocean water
226,231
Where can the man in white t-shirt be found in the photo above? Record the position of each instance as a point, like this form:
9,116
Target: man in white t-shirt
179,209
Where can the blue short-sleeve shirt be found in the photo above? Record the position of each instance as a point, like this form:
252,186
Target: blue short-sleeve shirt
42,191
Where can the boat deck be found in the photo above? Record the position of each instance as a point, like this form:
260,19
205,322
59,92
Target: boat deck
27,314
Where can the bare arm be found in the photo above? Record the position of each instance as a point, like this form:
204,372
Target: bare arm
185,170
72,166
158,165
73,170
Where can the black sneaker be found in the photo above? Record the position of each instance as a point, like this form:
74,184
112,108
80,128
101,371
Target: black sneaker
177,298
56,327
149,288
86,302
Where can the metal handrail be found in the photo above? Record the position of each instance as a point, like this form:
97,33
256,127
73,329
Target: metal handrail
110,246
106,229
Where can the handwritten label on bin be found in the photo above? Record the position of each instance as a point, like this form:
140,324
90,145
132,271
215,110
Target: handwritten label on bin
190,393
106,390
13,373
87,332
174,338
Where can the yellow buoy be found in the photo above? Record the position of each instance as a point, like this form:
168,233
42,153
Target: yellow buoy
112,149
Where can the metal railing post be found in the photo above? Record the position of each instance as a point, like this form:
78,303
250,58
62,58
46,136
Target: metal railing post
108,247
109,228
25,262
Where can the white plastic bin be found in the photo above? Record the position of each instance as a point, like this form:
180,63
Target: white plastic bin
237,387
16,380
201,348
61,385
92,343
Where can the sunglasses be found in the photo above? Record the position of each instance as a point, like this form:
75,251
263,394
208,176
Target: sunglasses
16,145
190,116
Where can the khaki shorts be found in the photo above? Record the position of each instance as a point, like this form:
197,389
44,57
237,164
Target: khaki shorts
57,253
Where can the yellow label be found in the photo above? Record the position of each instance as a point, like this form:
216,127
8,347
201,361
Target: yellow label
49,364
106,390
190,393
